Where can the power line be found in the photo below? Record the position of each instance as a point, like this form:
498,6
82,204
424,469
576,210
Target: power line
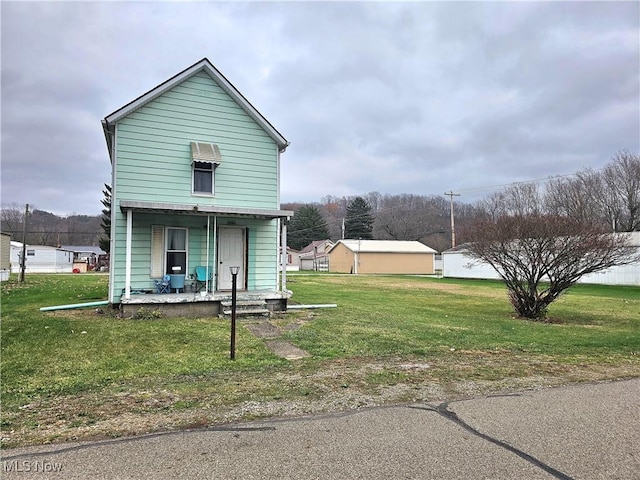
523,182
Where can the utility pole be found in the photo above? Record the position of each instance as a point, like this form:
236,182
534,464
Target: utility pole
23,258
453,229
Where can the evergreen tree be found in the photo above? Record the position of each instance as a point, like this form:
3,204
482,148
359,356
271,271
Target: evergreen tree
105,242
358,222
307,225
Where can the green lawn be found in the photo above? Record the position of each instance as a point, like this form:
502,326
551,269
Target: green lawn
421,316
71,351
73,374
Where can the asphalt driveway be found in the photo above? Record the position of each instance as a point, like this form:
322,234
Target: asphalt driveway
576,432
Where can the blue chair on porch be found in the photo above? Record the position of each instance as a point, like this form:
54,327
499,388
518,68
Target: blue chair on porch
202,278
162,285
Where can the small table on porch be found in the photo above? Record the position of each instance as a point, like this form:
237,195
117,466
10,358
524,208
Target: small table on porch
177,282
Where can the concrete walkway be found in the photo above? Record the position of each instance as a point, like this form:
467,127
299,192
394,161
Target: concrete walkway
577,432
271,335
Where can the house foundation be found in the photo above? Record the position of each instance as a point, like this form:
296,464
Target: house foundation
195,305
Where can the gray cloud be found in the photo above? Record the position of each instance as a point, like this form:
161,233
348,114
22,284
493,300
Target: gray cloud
417,97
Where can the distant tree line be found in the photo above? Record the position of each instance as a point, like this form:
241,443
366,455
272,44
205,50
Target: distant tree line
608,198
377,216
45,228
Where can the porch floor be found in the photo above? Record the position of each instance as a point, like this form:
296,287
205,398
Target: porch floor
193,297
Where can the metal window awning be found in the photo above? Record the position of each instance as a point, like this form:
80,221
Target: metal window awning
205,152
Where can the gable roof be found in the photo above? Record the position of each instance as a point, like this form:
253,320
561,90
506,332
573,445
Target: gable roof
204,65
15,245
84,249
314,244
385,246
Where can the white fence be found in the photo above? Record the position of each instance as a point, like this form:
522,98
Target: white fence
456,264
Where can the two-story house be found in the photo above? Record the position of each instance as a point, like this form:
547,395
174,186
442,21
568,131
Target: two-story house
195,183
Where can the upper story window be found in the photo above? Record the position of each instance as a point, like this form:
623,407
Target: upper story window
203,178
204,159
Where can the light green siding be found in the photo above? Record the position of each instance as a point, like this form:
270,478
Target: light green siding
262,249
152,163
263,255
154,155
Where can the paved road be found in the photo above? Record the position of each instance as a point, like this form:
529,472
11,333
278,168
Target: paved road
577,432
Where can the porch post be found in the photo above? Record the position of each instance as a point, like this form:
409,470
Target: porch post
207,272
283,241
214,262
127,268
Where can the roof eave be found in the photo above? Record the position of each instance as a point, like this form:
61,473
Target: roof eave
197,209
108,136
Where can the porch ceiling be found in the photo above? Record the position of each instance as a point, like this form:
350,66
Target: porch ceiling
202,210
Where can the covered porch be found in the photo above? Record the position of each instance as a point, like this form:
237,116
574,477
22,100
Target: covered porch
222,237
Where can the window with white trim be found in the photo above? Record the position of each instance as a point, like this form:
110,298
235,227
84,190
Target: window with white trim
205,157
176,244
168,251
203,178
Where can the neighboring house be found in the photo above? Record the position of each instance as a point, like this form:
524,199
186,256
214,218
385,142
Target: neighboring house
83,253
195,182
291,259
5,256
458,265
85,257
315,256
41,259
381,256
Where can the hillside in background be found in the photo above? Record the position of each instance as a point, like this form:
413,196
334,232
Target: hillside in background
45,228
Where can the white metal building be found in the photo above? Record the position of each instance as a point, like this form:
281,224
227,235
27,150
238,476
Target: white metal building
457,265
41,259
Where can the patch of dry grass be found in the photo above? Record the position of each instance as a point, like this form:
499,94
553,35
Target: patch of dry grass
149,406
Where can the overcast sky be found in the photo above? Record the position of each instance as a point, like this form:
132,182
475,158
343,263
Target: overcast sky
419,97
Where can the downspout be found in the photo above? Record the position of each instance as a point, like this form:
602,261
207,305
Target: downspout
74,306
127,272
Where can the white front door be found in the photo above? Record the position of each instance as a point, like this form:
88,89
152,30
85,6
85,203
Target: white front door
231,253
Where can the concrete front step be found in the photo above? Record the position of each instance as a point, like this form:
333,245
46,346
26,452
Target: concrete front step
245,313
246,308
